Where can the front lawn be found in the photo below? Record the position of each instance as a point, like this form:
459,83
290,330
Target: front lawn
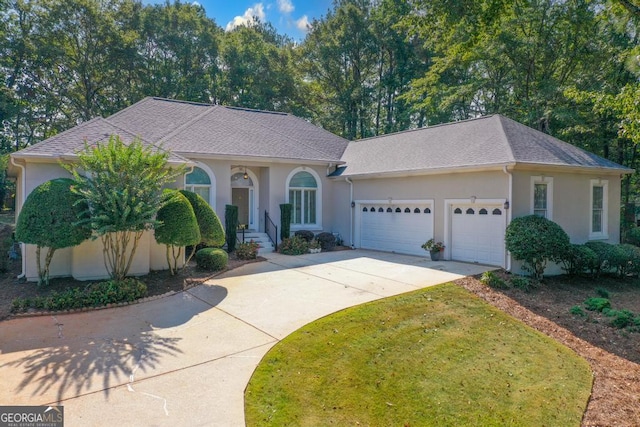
438,356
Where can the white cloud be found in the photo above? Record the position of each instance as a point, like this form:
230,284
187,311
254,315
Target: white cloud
285,6
303,24
255,11
195,3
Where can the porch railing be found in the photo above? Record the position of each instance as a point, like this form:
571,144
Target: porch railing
271,229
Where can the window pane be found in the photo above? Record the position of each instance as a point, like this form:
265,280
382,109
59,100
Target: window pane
198,176
597,197
597,221
310,206
540,197
303,179
295,200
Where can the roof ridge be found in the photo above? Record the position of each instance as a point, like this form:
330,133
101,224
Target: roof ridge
296,142
255,110
512,156
437,125
188,122
142,101
181,101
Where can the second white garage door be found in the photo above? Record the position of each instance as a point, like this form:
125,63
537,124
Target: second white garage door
401,228
477,233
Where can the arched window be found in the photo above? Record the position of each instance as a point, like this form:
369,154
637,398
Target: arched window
304,195
199,182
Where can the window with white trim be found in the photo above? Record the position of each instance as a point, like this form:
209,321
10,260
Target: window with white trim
199,182
599,209
304,195
542,196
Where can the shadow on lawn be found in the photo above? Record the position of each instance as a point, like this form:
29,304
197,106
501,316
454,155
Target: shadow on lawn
94,351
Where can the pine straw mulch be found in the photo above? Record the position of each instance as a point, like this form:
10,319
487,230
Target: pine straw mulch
615,397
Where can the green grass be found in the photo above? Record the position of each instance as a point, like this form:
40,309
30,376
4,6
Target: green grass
435,357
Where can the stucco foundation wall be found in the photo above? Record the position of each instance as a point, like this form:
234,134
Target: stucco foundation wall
482,185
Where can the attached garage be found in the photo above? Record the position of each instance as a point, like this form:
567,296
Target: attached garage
400,227
477,233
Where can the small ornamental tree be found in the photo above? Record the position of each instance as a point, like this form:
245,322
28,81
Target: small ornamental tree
211,231
49,219
536,241
122,185
177,226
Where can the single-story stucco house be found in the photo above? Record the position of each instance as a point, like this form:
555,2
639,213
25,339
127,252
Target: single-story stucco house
460,183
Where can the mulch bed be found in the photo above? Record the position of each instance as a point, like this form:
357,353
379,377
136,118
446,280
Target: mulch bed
615,397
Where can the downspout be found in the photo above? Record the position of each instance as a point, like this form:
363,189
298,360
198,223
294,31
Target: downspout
505,169
23,182
351,206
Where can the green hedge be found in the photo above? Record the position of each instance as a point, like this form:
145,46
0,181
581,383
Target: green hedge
285,220
295,245
178,225
211,230
535,241
213,259
231,226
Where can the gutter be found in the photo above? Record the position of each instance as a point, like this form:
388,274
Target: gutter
23,183
505,169
352,206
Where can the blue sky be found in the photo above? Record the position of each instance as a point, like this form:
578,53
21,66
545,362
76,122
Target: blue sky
288,16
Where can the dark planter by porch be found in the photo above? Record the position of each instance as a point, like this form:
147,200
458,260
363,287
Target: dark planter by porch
435,255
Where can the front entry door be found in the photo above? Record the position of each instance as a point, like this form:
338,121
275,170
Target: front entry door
240,198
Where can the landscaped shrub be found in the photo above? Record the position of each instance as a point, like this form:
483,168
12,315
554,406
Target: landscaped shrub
178,226
305,234
231,226
93,295
522,283
578,259
285,220
602,292
609,256
629,261
294,246
621,318
211,231
49,218
576,310
597,304
535,241
327,241
247,250
491,279
632,236
213,259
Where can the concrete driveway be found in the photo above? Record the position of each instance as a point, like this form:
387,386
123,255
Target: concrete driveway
187,358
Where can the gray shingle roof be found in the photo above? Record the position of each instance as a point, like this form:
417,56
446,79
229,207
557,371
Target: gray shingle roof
189,128
72,141
484,142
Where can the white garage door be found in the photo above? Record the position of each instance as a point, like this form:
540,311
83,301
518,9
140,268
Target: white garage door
477,233
402,228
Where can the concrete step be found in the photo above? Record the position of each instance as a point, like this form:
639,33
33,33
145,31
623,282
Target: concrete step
262,239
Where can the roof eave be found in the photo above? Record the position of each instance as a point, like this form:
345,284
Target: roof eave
428,171
257,159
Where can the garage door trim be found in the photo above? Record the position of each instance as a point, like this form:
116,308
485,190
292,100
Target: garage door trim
448,203
359,204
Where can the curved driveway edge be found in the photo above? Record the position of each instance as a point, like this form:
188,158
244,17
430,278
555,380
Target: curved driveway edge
187,358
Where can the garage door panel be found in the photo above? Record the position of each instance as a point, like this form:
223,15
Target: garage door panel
477,234
402,232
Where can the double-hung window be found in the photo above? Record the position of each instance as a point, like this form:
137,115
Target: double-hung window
598,202
542,196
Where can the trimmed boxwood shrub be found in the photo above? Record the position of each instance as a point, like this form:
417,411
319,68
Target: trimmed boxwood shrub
178,226
285,220
327,241
52,217
213,259
211,231
612,257
578,259
535,241
231,226
305,234
629,261
632,236
295,245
